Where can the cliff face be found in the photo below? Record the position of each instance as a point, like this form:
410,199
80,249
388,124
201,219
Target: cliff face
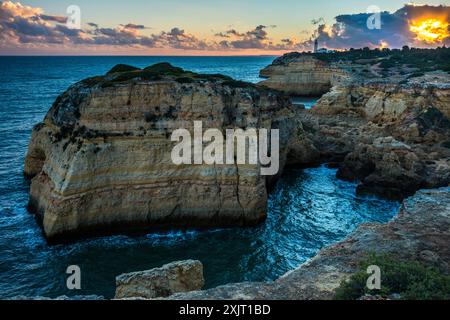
301,75
101,160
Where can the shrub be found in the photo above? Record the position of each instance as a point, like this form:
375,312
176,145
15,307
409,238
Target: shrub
164,68
122,68
411,279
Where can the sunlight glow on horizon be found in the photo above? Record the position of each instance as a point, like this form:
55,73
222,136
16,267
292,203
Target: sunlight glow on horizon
199,27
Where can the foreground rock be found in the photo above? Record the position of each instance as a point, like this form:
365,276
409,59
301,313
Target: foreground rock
101,160
420,232
181,276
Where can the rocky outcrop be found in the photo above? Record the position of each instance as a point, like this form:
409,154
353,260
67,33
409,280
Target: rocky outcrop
101,160
390,133
393,138
301,75
420,232
175,277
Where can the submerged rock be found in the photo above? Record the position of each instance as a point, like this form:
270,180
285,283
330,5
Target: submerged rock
101,160
181,276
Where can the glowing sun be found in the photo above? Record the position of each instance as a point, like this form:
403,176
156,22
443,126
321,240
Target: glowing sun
430,30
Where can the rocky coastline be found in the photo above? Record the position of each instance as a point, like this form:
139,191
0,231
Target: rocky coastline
101,160
420,232
104,144
390,133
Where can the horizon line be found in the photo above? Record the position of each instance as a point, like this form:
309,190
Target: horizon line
127,55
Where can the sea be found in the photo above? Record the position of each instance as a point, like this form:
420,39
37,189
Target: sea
308,208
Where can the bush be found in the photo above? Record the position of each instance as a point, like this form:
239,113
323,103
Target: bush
123,73
410,279
165,68
122,68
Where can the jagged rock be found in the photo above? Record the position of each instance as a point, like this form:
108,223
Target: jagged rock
101,161
392,138
181,276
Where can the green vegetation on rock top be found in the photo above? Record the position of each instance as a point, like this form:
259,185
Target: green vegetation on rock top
405,61
122,68
410,279
422,59
164,68
160,71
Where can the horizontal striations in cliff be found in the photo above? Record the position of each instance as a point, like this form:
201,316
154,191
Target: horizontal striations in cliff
301,75
101,160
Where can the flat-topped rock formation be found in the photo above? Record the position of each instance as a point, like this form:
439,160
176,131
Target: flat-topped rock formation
301,75
101,160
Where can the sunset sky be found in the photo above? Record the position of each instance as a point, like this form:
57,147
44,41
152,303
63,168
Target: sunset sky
202,27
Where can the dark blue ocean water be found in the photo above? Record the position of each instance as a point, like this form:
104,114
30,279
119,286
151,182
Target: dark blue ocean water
308,209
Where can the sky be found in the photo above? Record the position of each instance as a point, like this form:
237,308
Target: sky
208,27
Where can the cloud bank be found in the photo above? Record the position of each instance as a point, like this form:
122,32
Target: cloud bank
350,30
25,27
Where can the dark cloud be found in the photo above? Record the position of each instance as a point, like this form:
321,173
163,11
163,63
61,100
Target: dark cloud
229,33
134,26
27,25
58,19
256,38
351,30
22,25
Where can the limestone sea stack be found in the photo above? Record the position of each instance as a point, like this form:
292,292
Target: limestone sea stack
101,160
302,75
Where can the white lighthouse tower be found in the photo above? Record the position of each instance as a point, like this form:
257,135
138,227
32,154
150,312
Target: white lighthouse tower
316,46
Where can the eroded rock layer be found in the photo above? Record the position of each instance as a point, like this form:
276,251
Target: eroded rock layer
101,160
